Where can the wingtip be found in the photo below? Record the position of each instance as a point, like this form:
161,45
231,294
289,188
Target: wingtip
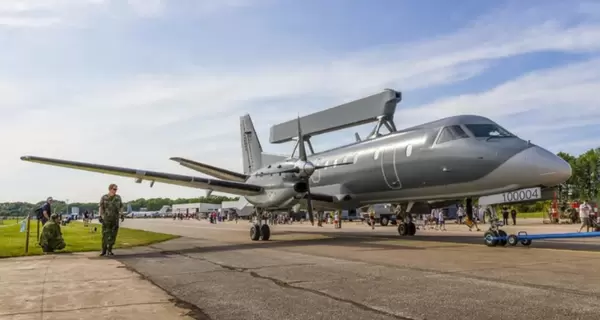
25,158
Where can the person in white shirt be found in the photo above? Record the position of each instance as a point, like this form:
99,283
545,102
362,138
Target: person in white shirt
481,214
584,214
336,220
441,220
460,214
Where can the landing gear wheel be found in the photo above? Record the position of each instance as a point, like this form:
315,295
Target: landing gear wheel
412,229
526,242
255,232
265,232
501,233
403,229
512,240
489,240
384,221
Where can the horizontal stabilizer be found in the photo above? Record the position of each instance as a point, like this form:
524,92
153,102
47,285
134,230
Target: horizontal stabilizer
211,170
232,187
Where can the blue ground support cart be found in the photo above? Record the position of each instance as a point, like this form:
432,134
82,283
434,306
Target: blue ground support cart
493,239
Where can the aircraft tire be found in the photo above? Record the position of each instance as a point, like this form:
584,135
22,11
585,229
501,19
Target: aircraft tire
488,238
403,229
501,233
265,232
384,221
412,229
526,242
255,232
512,240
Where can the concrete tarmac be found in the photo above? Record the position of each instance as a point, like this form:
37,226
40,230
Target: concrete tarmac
308,272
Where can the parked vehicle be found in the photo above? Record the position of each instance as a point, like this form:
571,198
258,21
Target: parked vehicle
384,214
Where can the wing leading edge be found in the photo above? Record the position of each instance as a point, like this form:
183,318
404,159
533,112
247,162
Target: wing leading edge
211,170
233,187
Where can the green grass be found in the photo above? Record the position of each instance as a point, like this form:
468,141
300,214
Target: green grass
77,238
526,215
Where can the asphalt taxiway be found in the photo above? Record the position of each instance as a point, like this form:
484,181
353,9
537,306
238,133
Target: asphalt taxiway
308,272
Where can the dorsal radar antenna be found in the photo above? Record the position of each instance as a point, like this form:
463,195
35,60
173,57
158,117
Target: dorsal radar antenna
378,108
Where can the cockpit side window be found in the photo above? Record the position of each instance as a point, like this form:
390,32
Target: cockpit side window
451,133
458,132
487,130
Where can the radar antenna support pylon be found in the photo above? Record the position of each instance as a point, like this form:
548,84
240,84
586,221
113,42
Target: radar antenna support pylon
383,120
307,141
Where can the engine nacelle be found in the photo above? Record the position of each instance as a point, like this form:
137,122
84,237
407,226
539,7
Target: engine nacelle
301,187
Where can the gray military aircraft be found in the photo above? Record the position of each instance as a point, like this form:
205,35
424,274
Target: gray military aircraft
429,165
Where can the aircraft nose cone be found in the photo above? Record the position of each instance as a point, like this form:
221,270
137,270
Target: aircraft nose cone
551,169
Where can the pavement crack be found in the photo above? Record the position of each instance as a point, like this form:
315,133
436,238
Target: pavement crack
193,311
290,285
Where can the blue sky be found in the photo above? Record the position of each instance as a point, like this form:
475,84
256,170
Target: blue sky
132,83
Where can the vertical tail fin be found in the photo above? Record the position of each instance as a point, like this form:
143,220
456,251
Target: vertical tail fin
251,148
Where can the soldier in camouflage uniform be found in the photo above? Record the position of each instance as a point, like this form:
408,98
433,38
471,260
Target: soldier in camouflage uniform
110,210
51,236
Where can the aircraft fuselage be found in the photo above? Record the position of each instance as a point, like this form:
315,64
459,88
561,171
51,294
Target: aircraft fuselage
456,157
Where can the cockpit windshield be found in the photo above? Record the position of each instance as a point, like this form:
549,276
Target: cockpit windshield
488,130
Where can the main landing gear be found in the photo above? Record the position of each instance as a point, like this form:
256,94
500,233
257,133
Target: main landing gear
407,228
260,229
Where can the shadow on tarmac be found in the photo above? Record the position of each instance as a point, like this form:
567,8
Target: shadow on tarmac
350,239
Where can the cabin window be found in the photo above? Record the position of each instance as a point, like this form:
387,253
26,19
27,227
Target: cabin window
451,133
376,154
326,164
488,130
408,150
345,159
335,163
356,157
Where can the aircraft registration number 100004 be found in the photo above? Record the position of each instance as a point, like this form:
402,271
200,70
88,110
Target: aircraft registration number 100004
522,195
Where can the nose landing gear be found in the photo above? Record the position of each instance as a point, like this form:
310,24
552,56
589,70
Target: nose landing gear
494,236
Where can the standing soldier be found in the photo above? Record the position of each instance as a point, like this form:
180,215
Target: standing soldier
109,210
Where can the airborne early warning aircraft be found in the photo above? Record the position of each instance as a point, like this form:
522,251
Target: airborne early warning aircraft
430,164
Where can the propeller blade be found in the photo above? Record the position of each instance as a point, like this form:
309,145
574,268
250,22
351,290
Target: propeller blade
297,170
301,146
332,165
309,207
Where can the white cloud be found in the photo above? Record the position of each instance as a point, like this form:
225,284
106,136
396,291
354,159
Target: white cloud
546,93
143,120
41,13
148,8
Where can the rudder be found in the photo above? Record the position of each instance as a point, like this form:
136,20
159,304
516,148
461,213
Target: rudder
251,148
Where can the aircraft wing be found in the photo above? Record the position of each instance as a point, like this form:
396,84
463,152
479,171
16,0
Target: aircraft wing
233,187
211,170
